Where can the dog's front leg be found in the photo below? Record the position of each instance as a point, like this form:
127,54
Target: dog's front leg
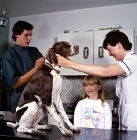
57,121
63,114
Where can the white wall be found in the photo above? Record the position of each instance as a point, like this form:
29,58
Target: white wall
48,25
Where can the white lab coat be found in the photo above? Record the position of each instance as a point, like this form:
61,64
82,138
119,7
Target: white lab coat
126,90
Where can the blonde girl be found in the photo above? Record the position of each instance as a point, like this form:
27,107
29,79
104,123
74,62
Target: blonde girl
93,111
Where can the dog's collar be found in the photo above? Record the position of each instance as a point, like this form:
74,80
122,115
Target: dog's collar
50,63
56,67
46,61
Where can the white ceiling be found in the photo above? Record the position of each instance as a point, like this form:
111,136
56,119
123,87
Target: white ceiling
17,8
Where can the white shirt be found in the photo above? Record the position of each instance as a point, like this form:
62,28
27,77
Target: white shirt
126,90
91,114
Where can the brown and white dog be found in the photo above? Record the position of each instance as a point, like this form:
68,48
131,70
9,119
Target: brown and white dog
43,93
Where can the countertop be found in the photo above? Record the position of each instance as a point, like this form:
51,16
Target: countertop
7,132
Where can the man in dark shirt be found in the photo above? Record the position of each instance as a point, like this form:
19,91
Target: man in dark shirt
20,62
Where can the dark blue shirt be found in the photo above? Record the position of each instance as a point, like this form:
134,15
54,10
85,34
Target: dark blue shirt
16,62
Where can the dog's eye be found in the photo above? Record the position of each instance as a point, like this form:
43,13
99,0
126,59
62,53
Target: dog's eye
66,42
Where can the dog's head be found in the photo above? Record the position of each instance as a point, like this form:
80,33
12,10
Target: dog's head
62,48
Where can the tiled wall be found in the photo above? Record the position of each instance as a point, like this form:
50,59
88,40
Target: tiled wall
72,88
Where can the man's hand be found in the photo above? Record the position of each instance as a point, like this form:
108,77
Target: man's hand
39,62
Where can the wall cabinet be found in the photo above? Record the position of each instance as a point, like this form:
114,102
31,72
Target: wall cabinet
90,48
85,42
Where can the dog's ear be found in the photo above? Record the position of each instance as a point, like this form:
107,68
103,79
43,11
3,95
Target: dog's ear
53,56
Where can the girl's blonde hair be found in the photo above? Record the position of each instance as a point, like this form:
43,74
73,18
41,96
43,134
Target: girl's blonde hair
90,79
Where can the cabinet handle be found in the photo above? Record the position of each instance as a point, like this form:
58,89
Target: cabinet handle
85,52
100,52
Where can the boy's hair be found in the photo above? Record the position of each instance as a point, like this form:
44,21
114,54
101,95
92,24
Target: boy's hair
115,36
19,27
88,80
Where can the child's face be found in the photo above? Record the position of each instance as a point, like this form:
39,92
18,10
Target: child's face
92,90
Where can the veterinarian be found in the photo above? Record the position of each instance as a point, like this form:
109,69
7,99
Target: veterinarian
20,62
93,111
118,46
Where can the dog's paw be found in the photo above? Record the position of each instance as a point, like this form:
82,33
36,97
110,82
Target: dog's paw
76,129
48,128
67,132
26,130
44,127
31,130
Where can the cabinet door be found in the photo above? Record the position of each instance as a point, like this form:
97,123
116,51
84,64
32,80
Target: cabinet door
85,42
99,36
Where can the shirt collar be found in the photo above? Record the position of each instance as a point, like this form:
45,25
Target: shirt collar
128,54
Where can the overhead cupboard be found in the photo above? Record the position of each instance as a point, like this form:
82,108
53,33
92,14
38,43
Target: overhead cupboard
90,48
85,42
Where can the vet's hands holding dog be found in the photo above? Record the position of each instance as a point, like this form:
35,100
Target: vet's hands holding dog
64,62
67,63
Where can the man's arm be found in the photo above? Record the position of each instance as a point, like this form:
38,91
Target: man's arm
24,78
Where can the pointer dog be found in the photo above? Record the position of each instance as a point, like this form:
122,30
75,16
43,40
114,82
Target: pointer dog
42,94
